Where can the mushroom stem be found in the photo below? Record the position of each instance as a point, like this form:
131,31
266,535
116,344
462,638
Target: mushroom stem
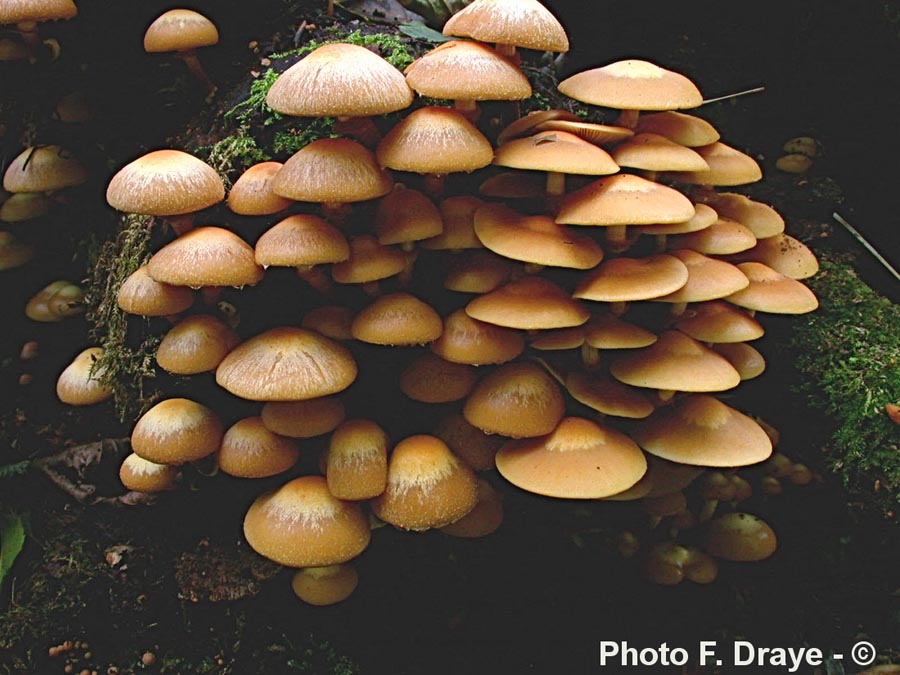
618,308
210,294
315,277
628,118
371,288
556,183
181,223
617,237
590,356
708,510
29,32
661,240
193,64
678,308
434,184
362,129
665,395
468,107
336,213
410,256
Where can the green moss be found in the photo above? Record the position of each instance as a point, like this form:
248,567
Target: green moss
233,154
127,361
393,49
849,352
290,141
254,108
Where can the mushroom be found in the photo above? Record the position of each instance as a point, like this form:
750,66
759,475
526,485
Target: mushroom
303,419
81,382
55,302
196,344
470,341
328,585
26,14
141,294
46,168
175,431
741,537
356,463
140,475
252,195
431,379
250,450
468,442
529,303
182,31
397,319
684,129
622,280
483,519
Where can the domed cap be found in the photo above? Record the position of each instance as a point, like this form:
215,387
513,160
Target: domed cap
518,400
467,340
608,331
652,152
397,319
784,254
534,239
723,237
206,256
77,385
22,206
140,294
332,321
708,278
356,462
250,450
300,240
287,364
252,195
139,475
624,199
478,272
482,520
431,379
523,23
458,215
332,170
773,292
44,169
703,217
703,431
632,85
434,140
462,69
303,419
301,524
684,129
717,321
405,215
339,80
745,358
741,537
608,396
762,219
675,362
727,166
469,443
196,344
555,151
628,279
180,30
368,261
527,124
175,431
597,134
165,183
427,486
21,11
578,460
530,303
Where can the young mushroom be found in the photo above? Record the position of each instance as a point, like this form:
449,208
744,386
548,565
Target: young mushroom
182,31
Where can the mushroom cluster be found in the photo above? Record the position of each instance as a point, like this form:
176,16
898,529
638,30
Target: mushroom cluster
568,296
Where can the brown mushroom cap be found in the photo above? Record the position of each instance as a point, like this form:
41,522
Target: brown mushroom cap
598,134
467,340
43,169
723,237
165,183
632,85
431,379
339,80
653,152
741,537
458,215
356,462
252,195
480,271
427,486
140,475
368,261
21,11
578,460
784,254
628,279
608,396
523,23
534,239
524,126
703,431
301,524
518,400
462,69
405,215
286,364
727,166
555,151
703,217
745,358
762,219
675,362
180,30
196,344
303,419
206,256
684,129
708,278
624,199
530,303
328,585
175,431
483,519
78,385
469,443
773,292
434,140
332,170
332,321
140,294
716,321
397,319
300,240
250,450
22,206
607,331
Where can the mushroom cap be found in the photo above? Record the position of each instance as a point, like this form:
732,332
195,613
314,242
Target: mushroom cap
773,292
427,486
481,271
286,364
405,215
555,151
458,215
526,125
196,344
252,195
632,84
469,443
784,254
301,524
534,239
703,217
462,69
12,50
22,206
741,537
624,199
397,319
141,294
723,237
328,585
627,279
530,303
431,379
368,261
608,396
332,170
301,239
332,321
180,30
339,80
483,519
77,385
514,185
717,321
762,219
434,140
608,331
303,419
206,256
165,183
701,430
175,431
523,23
745,358
250,450
682,128
21,11
597,134
727,166
470,341
140,475
708,278
654,152
518,400
43,169
578,460
356,462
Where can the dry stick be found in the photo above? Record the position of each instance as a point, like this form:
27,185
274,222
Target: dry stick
755,90
871,249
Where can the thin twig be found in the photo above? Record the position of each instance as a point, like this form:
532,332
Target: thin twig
871,249
755,90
